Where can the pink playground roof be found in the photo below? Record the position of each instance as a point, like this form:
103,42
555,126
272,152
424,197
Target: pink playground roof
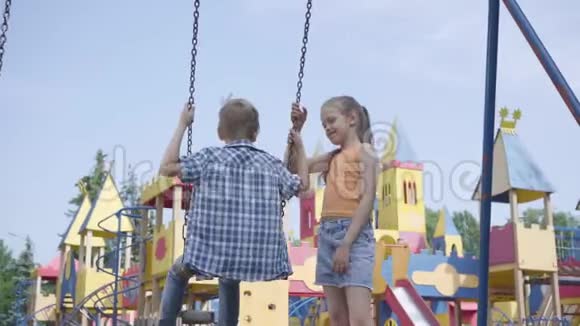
50,270
403,165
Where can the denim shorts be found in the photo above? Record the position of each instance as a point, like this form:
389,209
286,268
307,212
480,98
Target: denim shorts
362,255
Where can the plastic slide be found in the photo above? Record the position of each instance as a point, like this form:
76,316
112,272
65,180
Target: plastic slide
408,305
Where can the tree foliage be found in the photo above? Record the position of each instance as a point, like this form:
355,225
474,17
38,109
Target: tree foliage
91,182
7,272
24,267
468,228
129,192
13,271
131,198
466,224
431,219
537,216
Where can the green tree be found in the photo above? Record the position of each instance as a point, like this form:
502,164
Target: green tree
91,182
131,198
431,219
130,189
468,228
24,266
7,273
536,216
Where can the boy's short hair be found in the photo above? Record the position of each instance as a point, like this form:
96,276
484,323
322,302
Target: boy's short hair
239,119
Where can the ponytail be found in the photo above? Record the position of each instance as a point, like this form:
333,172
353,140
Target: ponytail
365,132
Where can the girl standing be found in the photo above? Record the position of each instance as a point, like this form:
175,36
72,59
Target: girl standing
346,244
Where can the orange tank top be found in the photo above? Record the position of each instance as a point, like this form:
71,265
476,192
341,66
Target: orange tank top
342,193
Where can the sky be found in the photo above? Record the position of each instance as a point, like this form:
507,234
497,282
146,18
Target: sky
113,75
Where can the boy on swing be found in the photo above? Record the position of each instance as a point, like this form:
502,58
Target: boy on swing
235,228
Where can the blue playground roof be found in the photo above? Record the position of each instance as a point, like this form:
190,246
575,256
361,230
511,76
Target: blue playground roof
512,160
523,172
450,228
404,151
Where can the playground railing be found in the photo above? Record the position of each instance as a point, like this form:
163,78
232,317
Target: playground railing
567,243
116,253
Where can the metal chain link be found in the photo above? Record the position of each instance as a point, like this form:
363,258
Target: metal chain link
303,51
3,30
300,74
191,100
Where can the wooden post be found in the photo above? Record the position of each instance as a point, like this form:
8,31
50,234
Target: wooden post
82,251
457,313
177,201
554,278
142,266
527,292
101,254
156,295
548,217
128,251
35,297
89,256
518,273
156,299
158,212
490,304
64,253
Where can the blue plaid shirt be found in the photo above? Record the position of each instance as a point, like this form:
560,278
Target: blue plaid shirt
235,226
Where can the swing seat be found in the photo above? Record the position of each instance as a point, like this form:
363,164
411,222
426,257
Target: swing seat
190,317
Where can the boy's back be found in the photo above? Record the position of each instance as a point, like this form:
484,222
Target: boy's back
235,230
235,227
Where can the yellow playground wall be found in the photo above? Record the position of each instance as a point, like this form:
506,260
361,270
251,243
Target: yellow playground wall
89,280
45,301
262,304
173,247
410,217
387,200
509,308
537,248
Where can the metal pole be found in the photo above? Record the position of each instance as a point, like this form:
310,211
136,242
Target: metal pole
487,159
545,59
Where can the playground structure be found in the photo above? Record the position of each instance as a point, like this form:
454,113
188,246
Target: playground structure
42,294
534,270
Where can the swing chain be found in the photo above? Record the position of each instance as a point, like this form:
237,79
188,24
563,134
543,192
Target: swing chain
191,100
3,30
300,74
303,51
